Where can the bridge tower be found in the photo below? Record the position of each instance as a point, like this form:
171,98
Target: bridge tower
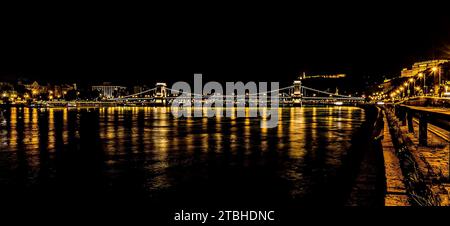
161,89
297,93
161,93
297,88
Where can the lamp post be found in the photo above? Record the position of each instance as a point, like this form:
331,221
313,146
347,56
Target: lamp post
434,70
424,82
412,80
406,84
440,82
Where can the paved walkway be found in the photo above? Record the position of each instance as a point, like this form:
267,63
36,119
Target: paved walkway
433,159
395,188
436,153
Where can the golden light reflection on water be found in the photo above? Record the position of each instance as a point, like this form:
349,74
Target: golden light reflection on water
300,121
65,128
154,134
51,130
296,139
13,133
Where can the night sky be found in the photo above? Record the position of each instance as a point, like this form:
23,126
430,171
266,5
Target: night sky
251,42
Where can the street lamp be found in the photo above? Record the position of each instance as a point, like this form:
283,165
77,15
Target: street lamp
424,81
440,80
437,69
401,91
412,80
406,84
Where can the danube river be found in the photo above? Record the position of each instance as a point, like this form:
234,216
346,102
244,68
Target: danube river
147,155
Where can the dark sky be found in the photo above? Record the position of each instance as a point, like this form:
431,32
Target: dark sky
225,43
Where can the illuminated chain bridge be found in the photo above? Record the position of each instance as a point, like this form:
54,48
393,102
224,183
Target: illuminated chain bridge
295,94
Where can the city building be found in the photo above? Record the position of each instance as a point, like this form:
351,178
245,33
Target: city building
334,83
59,91
36,89
5,86
109,91
138,89
421,66
323,76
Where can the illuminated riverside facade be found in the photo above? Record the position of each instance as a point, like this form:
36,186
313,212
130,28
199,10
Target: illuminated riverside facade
426,78
109,91
422,66
21,93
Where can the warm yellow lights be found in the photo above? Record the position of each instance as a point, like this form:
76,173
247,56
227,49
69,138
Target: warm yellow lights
420,75
434,69
411,80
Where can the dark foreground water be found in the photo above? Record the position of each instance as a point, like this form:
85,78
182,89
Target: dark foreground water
116,155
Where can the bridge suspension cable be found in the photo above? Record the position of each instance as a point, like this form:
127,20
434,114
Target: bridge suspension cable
320,91
135,94
251,94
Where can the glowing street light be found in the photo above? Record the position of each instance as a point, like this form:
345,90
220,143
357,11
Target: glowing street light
439,74
411,80
424,82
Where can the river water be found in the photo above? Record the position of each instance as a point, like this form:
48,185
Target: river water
147,155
